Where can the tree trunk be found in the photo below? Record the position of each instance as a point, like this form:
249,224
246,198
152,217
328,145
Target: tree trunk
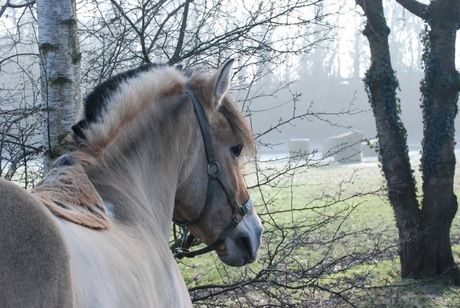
440,89
424,232
59,71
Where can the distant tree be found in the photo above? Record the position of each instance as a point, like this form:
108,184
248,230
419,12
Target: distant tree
424,228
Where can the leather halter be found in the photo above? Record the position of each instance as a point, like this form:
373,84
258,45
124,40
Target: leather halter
214,175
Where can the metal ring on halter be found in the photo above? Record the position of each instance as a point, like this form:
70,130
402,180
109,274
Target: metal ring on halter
211,165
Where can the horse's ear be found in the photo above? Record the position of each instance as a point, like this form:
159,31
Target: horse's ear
222,81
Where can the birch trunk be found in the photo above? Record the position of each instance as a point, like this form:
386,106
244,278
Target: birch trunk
59,72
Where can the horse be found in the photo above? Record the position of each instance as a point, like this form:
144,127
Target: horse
153,145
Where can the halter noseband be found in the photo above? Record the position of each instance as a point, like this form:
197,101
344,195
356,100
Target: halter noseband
214,175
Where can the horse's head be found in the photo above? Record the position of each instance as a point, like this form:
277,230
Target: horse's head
212,200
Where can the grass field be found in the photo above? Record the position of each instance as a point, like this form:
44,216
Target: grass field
329,241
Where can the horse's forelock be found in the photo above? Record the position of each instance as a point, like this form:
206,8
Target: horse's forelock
238,124
201,85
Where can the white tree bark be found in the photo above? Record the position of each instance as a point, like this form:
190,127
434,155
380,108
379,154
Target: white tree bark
59,71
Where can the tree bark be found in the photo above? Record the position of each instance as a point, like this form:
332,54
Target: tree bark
59,71
424,231
440,89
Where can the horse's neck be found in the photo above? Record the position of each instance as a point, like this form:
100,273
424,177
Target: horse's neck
140,179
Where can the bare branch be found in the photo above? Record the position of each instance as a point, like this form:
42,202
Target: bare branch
8,4
415,7
180,39
18,55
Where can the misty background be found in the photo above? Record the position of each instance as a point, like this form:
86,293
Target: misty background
328,83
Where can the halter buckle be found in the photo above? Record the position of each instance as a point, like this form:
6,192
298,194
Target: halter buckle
180,253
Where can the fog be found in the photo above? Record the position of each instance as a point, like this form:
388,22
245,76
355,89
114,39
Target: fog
330,88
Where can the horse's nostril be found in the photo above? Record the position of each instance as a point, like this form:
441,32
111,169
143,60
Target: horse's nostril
244,242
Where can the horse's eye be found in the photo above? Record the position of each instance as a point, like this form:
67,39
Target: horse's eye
236,150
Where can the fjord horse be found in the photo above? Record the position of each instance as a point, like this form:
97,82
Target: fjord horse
153,145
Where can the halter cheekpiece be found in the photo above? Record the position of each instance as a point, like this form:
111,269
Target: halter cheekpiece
214,175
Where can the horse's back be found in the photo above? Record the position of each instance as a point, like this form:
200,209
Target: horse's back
34,267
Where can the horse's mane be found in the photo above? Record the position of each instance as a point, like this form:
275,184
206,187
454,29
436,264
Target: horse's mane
96,100
118,100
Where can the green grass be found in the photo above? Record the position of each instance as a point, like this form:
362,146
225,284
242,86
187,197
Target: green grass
330,240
